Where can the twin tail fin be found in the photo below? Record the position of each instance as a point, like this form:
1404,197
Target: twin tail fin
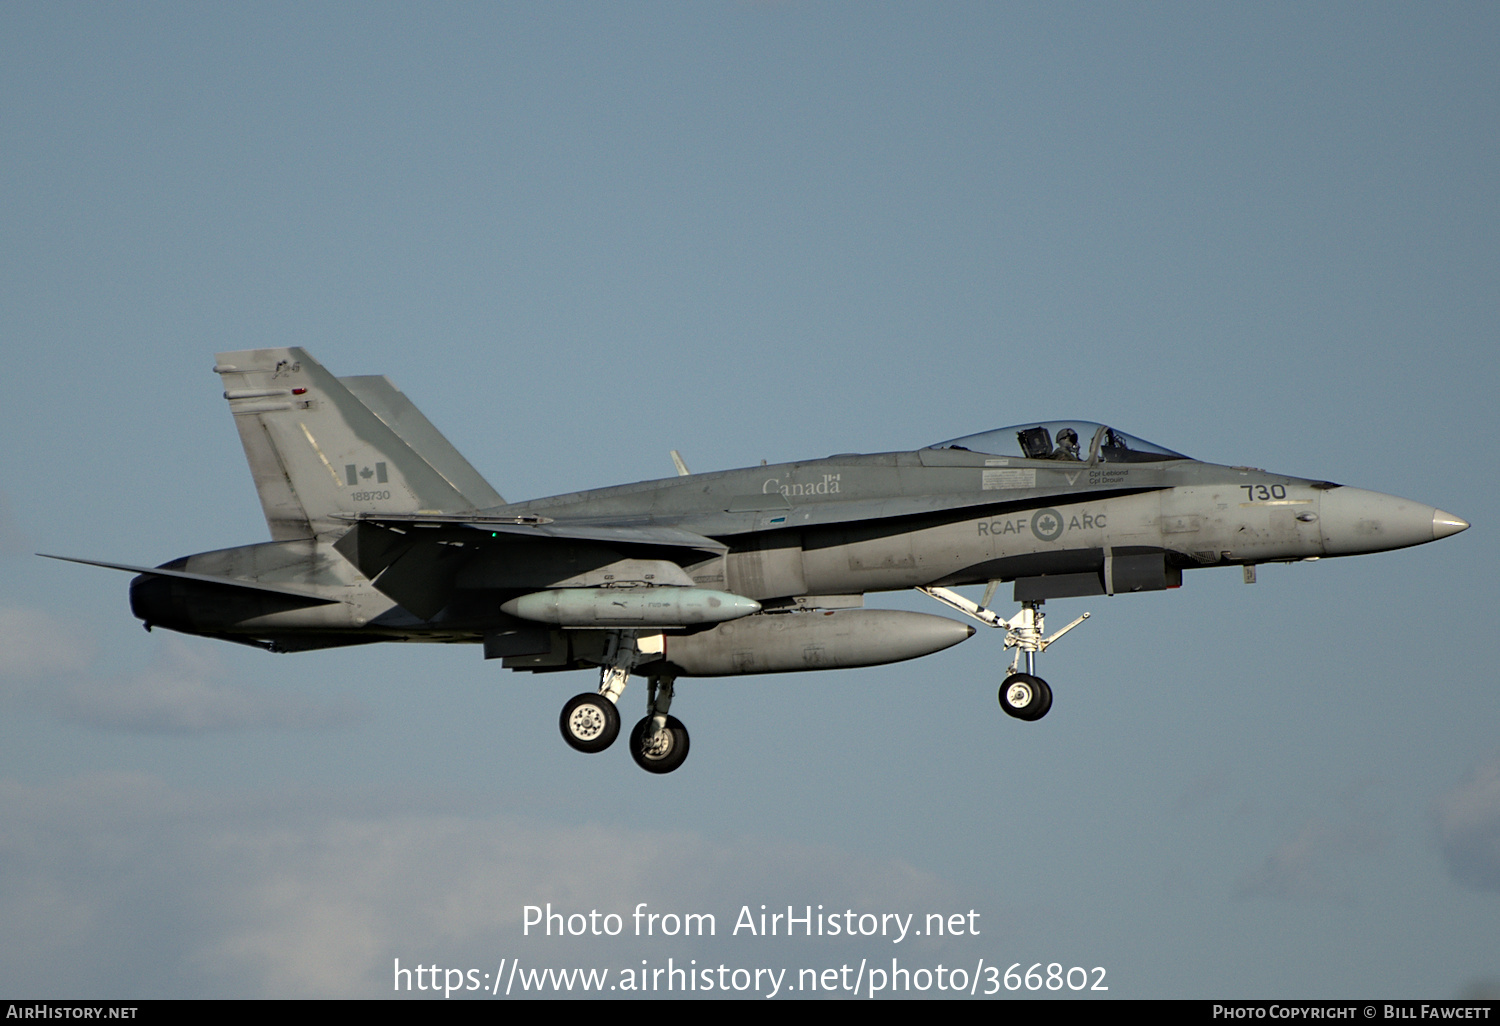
323,448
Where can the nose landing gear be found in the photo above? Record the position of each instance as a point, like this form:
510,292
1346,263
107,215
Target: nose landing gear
1023,694
1025,697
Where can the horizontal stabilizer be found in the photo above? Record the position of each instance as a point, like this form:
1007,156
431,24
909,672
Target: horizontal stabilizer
232,582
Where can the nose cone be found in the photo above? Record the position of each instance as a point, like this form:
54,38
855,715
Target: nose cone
1444,524
1356,521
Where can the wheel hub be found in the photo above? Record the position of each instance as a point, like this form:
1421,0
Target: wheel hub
658,746
586,723
589,723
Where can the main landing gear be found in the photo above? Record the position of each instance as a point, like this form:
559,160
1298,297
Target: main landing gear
659,743
590,722
1023,694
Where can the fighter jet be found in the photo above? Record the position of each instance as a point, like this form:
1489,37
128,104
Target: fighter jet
381,531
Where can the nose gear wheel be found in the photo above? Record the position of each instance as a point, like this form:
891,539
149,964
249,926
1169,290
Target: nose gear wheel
1025,697
1022,694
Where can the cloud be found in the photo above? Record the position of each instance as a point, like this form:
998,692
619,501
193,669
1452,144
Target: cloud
1310,865
183,691
1468,826
36,644
119,884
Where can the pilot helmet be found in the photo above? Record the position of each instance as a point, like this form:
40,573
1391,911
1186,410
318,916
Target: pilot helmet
1067,435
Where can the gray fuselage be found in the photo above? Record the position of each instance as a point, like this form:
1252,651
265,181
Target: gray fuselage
831,529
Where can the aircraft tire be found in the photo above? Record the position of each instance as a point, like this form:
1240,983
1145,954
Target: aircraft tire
1025,697
590,722
665,757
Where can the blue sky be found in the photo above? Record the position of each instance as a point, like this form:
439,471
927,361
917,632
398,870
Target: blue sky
579,236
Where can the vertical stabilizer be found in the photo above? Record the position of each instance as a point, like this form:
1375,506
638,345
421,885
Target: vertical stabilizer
397,412
316,450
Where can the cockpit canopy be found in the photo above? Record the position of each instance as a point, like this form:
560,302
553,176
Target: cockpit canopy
1066,440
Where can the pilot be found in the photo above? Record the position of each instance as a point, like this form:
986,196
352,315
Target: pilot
1067,446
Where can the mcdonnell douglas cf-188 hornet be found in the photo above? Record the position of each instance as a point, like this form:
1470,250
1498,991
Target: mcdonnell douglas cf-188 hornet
381,531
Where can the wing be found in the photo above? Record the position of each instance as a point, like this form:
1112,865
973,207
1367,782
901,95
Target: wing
422,561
